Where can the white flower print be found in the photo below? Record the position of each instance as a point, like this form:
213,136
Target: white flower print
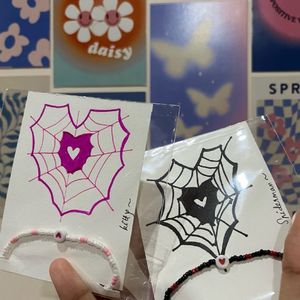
16,47
42,50
31,12
81,20
112,19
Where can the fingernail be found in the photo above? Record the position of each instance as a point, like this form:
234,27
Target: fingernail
293,217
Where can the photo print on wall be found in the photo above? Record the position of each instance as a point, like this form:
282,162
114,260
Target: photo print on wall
99,43
193,48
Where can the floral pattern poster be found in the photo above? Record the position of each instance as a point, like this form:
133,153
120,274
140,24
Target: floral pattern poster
99,43
24,34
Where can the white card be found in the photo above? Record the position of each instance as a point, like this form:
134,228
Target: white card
216,197
77,170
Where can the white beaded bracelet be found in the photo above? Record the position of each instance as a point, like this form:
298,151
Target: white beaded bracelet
60,237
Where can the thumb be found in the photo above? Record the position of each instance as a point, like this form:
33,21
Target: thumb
68,284
290,280
291,258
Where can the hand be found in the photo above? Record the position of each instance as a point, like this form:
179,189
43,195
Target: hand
68,284
290,280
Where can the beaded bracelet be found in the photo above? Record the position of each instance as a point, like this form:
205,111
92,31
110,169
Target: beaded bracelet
221,262
60,237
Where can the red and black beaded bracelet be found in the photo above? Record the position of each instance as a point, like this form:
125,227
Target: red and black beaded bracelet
221,262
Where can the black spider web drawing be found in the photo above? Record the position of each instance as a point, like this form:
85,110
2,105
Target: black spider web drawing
80,191
199,203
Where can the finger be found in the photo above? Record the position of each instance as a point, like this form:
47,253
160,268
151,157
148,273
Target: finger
291,258
67,282
290,280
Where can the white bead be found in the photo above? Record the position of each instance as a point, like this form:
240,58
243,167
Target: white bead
60,236
222,262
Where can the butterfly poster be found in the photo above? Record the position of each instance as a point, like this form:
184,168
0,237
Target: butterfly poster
76,170
215,197
98,43
198,60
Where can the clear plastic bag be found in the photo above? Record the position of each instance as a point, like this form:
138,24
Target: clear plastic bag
163,119
216,197
162,135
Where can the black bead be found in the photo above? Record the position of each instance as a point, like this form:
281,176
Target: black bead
209,263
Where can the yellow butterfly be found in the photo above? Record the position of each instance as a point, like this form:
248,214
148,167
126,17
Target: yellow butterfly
218,104
177,58
186,132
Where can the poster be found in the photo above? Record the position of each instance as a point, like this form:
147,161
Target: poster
194,46
98,43
276,36
24,34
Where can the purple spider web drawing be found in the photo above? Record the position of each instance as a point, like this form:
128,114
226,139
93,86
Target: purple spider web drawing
78,162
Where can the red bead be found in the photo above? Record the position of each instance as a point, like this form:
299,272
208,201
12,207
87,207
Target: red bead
174,286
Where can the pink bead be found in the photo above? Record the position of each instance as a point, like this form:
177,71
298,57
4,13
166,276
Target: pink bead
34,232
106,251
83,239
14,239
114,280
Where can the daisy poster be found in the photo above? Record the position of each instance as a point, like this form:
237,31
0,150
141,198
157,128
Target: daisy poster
98,43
